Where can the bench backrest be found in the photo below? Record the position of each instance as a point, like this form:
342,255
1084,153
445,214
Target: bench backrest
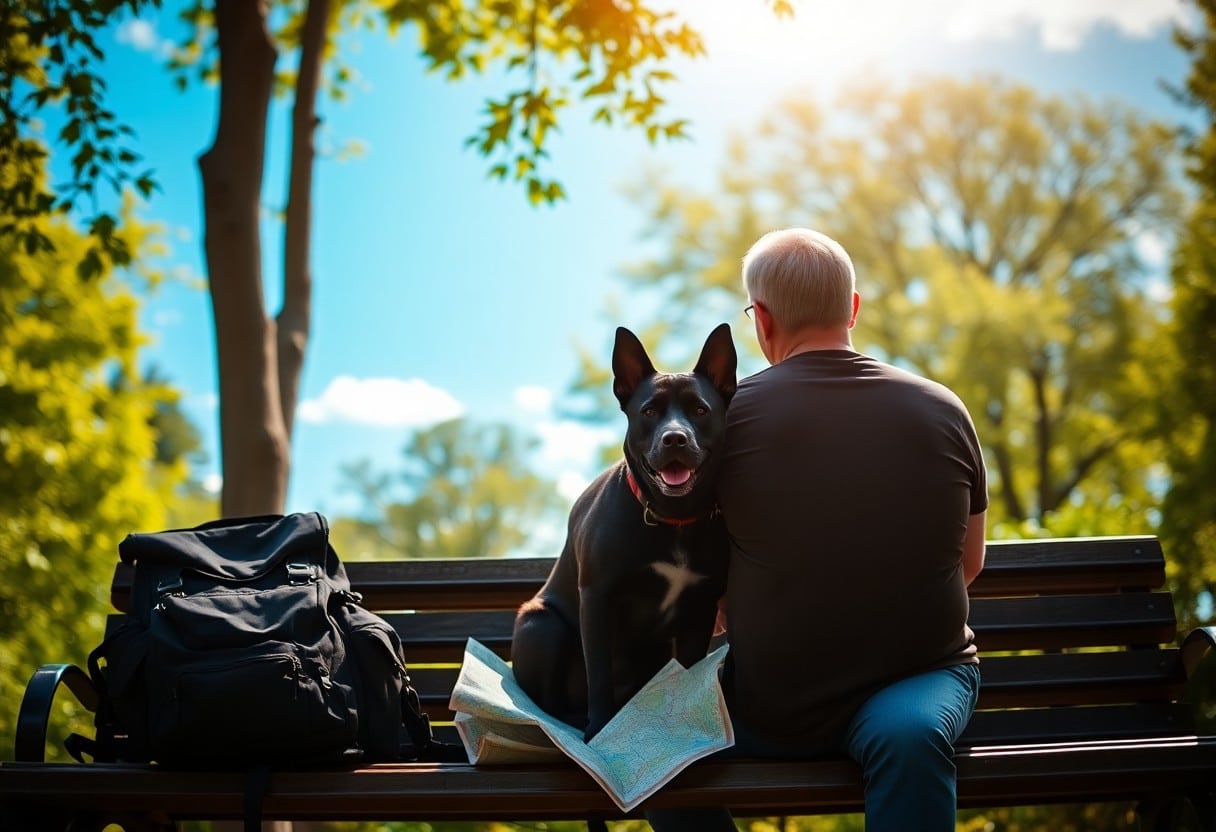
1076,636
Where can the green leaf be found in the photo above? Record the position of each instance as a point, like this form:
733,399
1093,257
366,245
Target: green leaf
70,133
90,266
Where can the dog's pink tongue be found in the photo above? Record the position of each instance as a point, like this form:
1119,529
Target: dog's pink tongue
675,474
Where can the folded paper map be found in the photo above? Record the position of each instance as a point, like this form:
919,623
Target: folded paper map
678,717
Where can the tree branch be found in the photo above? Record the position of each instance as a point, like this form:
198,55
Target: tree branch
1043,433
1083,466
1009,493
294,319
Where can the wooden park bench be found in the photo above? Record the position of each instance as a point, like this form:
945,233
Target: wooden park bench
1083,701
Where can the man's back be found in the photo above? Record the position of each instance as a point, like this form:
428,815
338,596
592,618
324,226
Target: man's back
847,488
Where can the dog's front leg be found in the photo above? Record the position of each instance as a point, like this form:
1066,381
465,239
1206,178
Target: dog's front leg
692,639
596,625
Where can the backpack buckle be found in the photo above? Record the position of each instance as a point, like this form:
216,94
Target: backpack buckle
299,574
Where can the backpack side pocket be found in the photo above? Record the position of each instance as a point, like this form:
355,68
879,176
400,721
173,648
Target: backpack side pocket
117,667
380,676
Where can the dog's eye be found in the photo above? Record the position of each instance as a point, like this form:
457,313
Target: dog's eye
702,410
650,412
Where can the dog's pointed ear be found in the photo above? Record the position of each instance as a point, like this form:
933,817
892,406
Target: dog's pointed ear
630,365
718,361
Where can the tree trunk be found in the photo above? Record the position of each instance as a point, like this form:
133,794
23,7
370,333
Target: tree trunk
255,456
295,316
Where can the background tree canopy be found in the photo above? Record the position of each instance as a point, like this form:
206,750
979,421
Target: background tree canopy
79,463
462,490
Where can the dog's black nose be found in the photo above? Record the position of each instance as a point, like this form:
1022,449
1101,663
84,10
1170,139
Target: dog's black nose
675,437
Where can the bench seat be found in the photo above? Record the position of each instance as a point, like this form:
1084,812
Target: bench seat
997,776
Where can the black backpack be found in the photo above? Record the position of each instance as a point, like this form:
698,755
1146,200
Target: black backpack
245,648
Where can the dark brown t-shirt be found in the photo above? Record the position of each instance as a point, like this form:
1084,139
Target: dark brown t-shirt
846,487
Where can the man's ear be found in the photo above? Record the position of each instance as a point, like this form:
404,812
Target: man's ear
718,361
630,365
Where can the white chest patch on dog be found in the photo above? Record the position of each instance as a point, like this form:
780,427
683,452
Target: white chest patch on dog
678,576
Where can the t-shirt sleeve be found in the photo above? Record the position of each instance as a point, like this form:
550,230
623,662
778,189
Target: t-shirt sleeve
979,482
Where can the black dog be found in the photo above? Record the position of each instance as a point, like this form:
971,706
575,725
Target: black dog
646,553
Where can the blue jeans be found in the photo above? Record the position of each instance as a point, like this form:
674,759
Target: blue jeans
903,739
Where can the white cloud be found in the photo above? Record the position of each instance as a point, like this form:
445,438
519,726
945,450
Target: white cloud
1061,26
564,443
532,398
141,35
569,452
570,484
380,402
569,449
571,444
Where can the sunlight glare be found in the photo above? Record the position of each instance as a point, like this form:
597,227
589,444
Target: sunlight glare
828,41
824,42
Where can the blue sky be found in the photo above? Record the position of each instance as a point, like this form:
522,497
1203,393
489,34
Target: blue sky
440,292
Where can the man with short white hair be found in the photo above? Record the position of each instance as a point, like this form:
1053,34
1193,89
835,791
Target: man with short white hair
855,495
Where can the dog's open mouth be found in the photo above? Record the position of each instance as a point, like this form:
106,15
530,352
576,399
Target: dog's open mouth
675,475
674,478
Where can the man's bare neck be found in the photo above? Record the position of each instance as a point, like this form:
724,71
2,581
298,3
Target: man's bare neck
816,342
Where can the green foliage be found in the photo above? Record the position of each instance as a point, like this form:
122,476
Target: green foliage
1109,817
462,491
49,57
553,54
78,449
995,234
1188,413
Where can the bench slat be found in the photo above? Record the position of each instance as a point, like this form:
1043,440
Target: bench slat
1046,622
1013,567
1026,681
1078,724
1103,772
1080,564
1056,622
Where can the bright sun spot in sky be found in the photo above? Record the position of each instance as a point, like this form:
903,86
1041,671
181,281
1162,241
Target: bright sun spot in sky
822,39
831,41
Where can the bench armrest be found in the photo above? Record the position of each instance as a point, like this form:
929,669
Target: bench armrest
29,744
1195,647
